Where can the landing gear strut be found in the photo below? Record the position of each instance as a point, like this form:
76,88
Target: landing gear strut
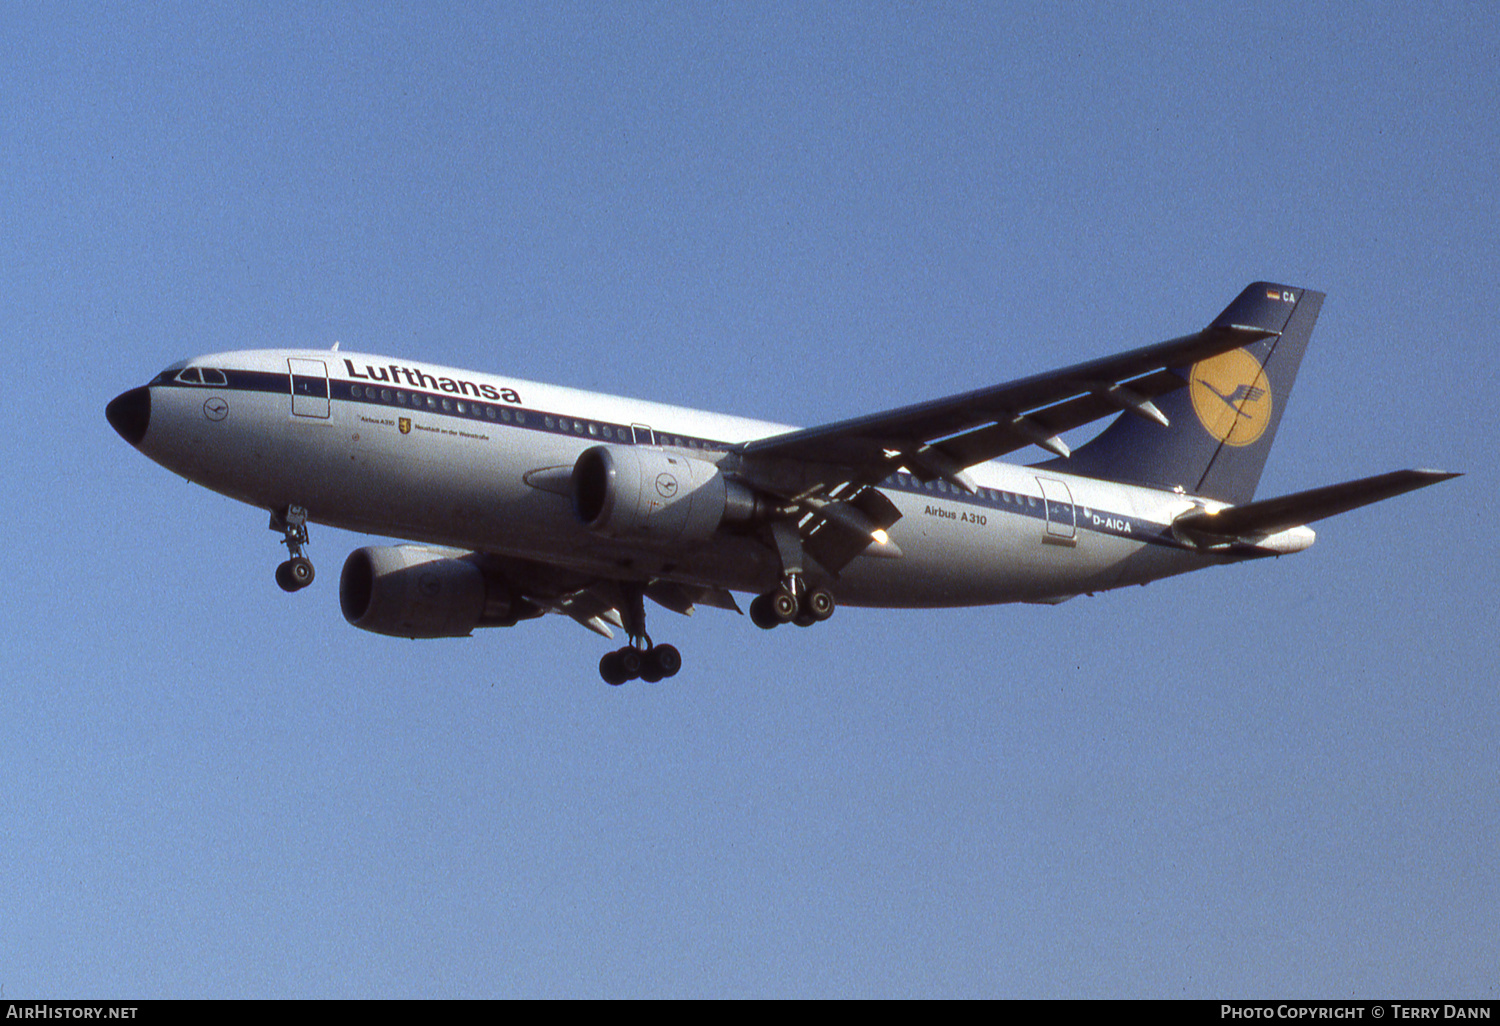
793,601
297,572
641,658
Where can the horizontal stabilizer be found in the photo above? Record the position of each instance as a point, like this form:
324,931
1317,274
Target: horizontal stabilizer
1271,515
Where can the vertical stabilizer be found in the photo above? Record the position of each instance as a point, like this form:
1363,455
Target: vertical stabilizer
1223,422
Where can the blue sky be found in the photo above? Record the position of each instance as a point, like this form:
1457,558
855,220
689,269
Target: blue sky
1271,779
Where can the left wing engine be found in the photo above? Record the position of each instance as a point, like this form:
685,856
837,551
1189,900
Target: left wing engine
413,591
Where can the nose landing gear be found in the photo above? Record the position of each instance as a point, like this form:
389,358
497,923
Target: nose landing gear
297,572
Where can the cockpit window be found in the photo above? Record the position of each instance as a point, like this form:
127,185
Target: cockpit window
202,376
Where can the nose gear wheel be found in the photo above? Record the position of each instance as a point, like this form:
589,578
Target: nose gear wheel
297,572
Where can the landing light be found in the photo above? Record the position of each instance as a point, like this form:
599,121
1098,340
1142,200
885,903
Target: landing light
880,536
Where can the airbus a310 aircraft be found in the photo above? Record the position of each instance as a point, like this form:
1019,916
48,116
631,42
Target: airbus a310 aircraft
524,498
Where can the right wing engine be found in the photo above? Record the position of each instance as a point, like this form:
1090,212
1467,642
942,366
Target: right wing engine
658,496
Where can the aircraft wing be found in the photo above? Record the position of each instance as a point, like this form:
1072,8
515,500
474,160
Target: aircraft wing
942,437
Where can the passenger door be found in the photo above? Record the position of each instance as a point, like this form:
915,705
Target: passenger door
1062,523
309,388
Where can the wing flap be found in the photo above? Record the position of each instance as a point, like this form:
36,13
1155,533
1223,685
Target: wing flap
846,527
683,598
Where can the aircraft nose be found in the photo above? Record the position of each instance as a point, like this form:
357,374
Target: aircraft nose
129,413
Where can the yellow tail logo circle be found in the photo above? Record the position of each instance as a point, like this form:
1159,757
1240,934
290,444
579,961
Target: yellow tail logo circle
1232,397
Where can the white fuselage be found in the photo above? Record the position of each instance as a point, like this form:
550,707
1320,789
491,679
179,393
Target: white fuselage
468,460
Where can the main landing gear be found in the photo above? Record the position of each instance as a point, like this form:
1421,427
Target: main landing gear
297,572
650,664
641,659
793,602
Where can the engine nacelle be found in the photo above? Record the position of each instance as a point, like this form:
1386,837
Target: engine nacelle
629,491
411,591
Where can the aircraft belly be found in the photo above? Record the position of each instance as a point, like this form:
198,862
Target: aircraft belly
957,556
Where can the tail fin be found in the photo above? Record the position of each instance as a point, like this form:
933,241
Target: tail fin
1223,422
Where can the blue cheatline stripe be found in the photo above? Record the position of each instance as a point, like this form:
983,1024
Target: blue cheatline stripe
513,416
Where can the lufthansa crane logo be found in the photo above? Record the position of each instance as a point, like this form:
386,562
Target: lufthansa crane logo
666,485
1232,397
215,408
